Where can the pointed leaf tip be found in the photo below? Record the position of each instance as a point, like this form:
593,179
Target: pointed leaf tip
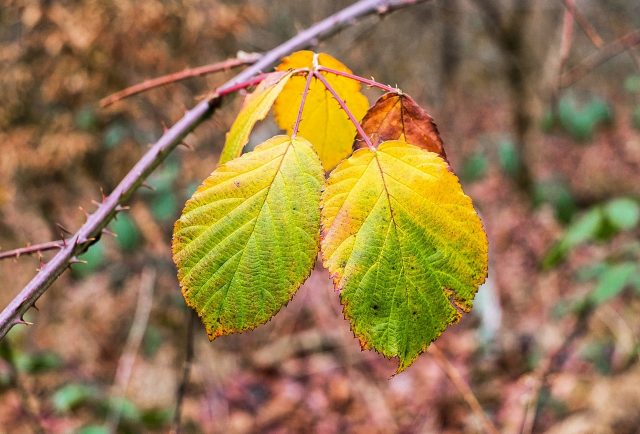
396,116
256,106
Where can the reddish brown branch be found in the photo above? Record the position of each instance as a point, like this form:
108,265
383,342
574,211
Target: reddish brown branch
596,59
344,107
175,77
303,99
584,24
368,82
30,250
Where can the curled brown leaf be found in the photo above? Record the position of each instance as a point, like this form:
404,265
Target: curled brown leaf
397,116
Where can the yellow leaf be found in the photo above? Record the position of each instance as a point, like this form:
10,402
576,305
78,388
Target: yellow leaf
323,123
248,237
255,108
404,245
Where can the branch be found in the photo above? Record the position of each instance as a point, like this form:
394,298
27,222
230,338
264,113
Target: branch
176,425
30,250
596,59
112,204
366,81
344,107
551,364
305,92
134,340
584,24
174,77
464,389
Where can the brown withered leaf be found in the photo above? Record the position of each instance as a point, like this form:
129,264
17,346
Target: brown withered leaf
398,117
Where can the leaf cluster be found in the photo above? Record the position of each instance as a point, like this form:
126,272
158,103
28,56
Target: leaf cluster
403,243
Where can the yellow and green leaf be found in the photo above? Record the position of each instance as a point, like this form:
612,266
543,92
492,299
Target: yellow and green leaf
255,108
248,237
404,245
323,123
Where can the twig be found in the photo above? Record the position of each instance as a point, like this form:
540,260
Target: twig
35,248
136,334
186,372
12,314
246,59
607,52
303,99
344,107
584,24
567,35
467,394
368,82
553,363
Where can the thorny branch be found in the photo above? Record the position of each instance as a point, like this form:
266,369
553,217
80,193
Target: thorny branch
112,204
35,248
246,59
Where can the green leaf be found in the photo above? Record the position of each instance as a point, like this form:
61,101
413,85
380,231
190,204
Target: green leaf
71,396
94,258
558,194
509,158
164,207
585,228
256,107
612,281
622,213
93,429
632,83
248,237
405,246
474,167
127,232
635,118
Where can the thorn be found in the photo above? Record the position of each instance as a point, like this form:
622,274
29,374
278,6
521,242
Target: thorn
75,260
186,145
120,208
96,203
23,322
86,214
35,307
164,127
63,229
145,185
108,232
104,197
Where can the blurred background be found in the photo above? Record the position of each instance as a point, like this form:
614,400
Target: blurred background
543,133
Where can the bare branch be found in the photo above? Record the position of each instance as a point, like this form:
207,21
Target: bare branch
172,138
176,424
599,57
584,24
134,340
463,388
174,77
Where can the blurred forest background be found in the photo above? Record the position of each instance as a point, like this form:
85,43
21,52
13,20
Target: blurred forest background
549,151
